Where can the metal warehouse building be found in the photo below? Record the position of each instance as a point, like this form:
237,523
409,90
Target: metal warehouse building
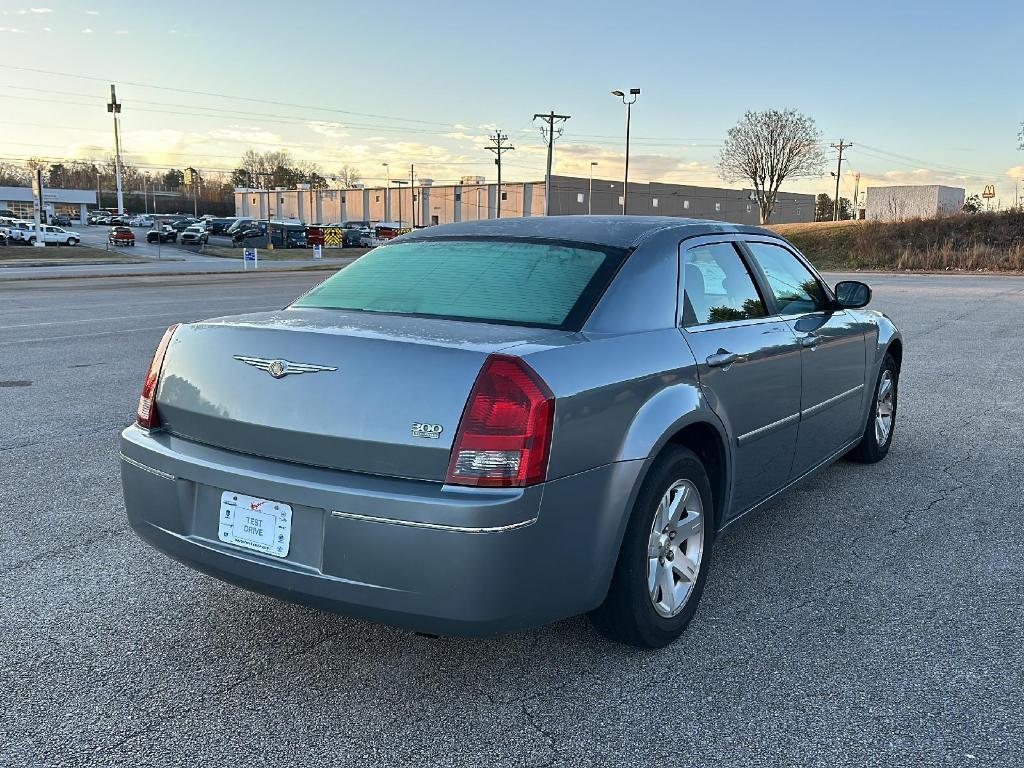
472,199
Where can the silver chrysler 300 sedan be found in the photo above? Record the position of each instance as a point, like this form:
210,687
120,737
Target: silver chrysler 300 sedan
486,426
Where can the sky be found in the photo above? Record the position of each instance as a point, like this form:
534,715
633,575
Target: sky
927,92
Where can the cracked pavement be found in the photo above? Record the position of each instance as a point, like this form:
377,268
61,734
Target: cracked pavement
870,617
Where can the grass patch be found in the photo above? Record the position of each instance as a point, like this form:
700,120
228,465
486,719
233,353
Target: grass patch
980,242
282,254
26,256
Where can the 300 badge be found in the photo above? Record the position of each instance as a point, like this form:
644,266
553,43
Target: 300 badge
428,431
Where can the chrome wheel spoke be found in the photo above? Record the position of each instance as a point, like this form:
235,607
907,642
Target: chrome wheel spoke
684,566
689,526
677,507
667,586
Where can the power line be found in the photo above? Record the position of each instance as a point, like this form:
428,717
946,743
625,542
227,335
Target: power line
224,95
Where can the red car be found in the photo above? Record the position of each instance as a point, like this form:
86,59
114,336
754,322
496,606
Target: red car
121,236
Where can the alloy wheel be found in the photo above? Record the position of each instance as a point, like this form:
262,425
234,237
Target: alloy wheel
675,548
884,407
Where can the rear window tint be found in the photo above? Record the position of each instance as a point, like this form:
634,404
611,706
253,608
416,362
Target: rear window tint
514,283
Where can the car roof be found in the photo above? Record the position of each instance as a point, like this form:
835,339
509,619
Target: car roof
614,231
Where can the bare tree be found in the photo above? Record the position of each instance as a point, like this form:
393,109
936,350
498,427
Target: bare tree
348,176
766,148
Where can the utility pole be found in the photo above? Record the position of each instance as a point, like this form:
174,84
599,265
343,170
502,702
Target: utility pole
412,193
856,194
114,107
838,174
590,191
498,145
550,132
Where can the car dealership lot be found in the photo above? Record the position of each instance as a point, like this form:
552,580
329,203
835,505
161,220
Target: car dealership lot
869,617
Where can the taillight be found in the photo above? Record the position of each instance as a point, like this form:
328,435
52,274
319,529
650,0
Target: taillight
147,416
505,434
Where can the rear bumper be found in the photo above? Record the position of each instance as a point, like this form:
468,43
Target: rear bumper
420,555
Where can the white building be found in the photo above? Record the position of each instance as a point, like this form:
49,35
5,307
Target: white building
72,202
912,202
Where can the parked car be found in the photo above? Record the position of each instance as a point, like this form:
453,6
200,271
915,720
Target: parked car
430,441
284,234
220,226
6,214
61,220
195,235
60,236
163,233
141,221
353,233
121,236
241,222
182,224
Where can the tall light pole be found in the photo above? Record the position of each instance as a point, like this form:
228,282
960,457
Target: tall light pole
590,194
399,183
635,93
387,192
114,107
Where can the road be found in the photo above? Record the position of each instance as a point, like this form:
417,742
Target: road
871,617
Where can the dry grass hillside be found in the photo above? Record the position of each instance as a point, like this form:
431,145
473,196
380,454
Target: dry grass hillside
991,242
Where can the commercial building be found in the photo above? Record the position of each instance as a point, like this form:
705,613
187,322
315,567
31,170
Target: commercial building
71,202
912,202
472,199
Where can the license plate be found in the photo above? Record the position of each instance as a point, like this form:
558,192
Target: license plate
259,525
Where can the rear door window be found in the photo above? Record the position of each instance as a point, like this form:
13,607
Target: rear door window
717,287
509,282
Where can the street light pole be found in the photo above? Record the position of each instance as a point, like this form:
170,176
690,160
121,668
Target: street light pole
399,183
387,192
635,93
590,193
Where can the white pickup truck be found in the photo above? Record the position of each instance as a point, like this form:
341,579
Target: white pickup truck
20,231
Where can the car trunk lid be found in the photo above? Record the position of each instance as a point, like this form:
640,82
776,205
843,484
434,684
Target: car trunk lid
373,378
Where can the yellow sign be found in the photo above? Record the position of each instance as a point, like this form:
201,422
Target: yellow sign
333,237
990,192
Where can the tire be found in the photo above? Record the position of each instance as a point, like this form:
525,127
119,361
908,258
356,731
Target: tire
628,614
875,442
31,241
72,241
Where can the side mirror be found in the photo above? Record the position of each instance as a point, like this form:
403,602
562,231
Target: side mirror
852,294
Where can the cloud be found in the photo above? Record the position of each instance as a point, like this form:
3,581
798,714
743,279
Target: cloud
92,13
41,10
87,31
12,30
121,32
330,129
1016,172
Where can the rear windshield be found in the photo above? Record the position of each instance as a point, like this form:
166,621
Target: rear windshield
515,283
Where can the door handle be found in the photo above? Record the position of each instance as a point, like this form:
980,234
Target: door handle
723,359
810,341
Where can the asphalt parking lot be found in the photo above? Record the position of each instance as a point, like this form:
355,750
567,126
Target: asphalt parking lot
871,617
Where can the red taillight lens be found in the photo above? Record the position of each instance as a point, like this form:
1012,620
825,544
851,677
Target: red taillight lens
147,416
505,435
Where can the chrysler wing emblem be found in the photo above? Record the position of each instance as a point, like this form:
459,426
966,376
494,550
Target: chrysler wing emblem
281,368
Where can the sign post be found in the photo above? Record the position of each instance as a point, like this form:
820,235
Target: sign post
988,194
37,207
249,254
